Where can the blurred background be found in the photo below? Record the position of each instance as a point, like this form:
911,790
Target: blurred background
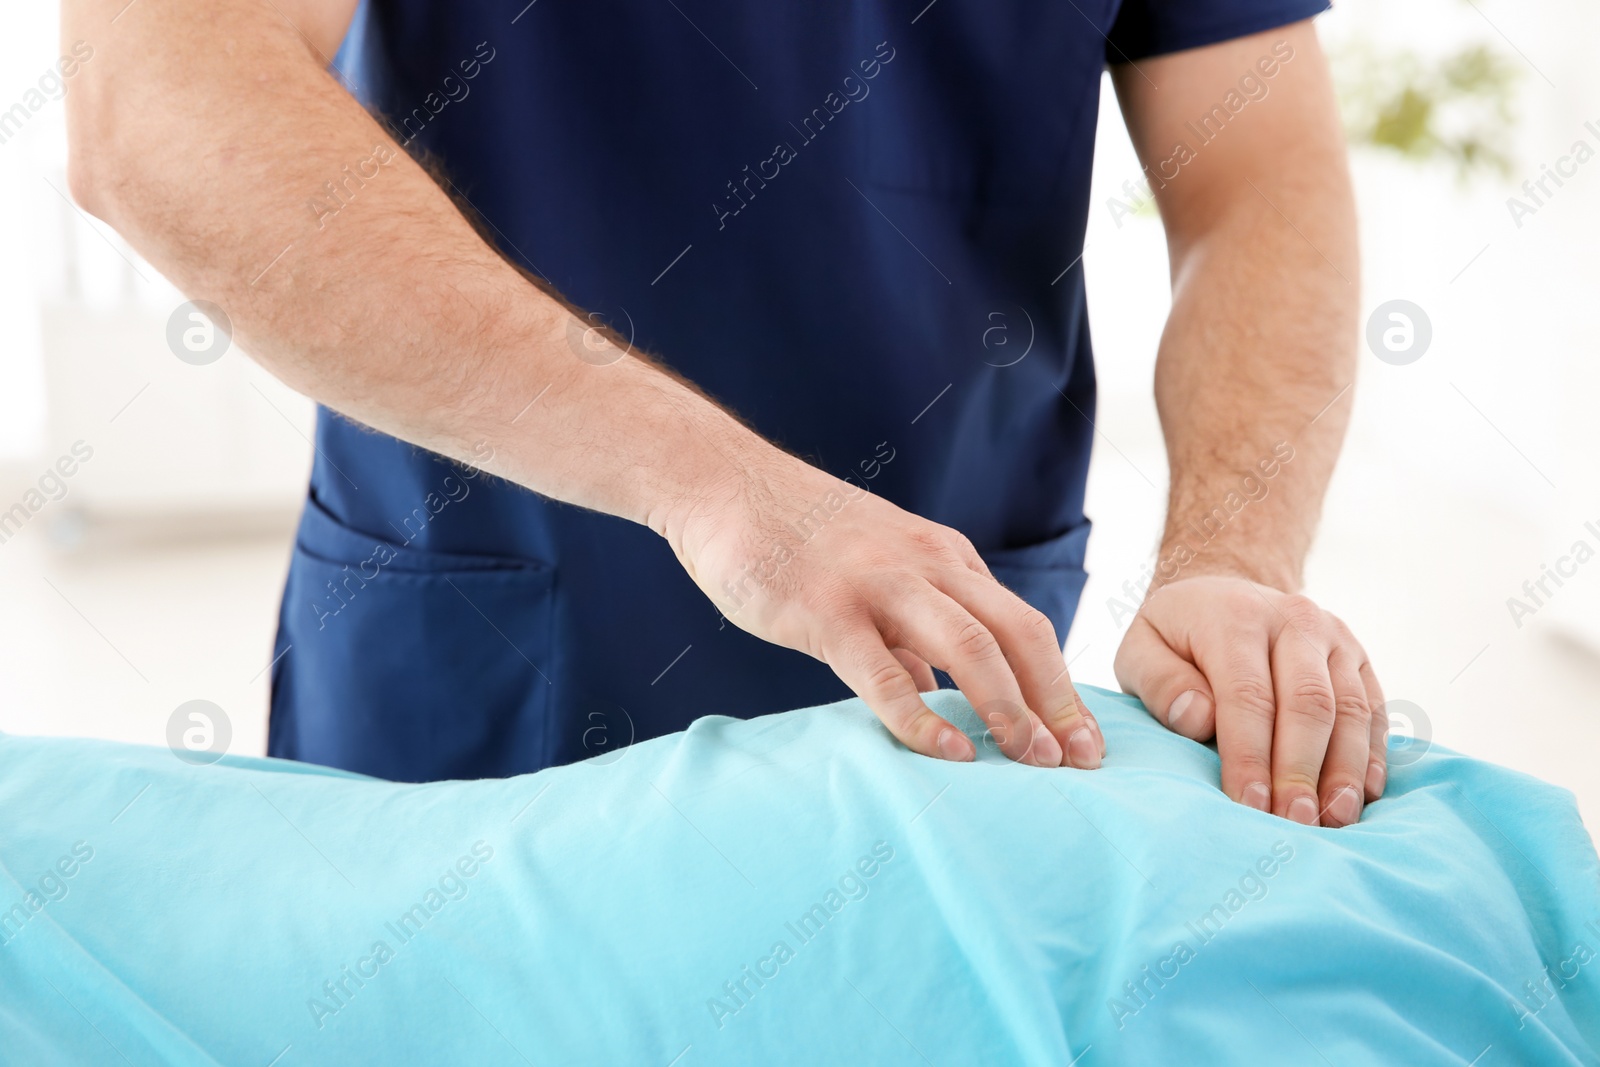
158,498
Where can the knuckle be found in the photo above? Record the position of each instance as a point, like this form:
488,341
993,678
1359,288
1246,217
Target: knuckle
960,542
1036,626
1254,697
931,540
1295,781
1353,706
1063,717
1302,612
1251,767
839,602
1299,602
1242,603
1378,718
886,680
1313,701
971,641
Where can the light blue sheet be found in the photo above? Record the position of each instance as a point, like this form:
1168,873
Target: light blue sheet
796,889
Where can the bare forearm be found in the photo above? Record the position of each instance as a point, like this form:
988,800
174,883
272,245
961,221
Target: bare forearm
205,133
1252,380
1254,367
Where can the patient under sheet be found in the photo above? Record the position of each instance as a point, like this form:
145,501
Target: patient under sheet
794,889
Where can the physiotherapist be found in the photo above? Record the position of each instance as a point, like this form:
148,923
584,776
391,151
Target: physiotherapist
655,343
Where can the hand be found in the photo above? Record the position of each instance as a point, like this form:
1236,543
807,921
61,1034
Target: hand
805,560
1283,686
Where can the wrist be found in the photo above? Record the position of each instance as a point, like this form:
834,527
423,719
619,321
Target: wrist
1178,560
719,482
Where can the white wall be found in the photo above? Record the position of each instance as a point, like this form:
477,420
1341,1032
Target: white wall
1437,513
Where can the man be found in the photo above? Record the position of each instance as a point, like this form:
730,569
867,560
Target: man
812,212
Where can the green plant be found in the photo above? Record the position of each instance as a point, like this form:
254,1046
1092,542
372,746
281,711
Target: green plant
1458,107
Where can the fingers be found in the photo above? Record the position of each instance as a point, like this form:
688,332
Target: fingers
1378,752
1344,772
1305,717
1242,683
1174,690
921,673
1033,653
970,557
946,635
864,663
1296,709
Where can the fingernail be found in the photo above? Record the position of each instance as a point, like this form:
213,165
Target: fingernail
953,745
1345,807
1257,796
1377,775
1303,810
1046,750
1184,702
1081,747
1099,737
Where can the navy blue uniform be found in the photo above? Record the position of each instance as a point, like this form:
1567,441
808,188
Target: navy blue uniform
856,225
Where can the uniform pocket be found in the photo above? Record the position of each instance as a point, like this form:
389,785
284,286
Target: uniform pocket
1049,575
409,664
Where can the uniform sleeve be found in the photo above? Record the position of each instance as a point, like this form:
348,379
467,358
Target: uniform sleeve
1155,27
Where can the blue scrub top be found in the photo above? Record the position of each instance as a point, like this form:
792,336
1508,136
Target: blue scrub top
858,226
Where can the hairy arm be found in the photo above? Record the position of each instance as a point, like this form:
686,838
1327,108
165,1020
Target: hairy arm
1253,380
1260,226
201,129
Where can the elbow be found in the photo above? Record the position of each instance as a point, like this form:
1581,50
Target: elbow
92,153
83,180
102,107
